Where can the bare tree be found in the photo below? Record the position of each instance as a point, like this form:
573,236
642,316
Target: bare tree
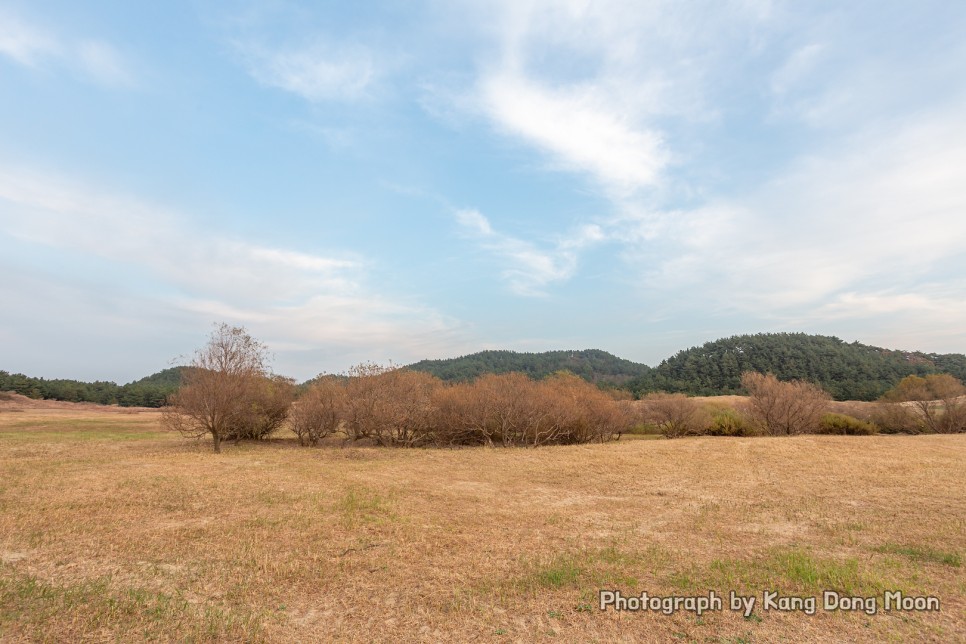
783,408
227,391
938,399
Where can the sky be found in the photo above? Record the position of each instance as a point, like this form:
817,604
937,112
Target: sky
394,181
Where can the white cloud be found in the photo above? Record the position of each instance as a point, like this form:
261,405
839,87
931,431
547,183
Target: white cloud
24,43
578,129
475,221
862,227
317,73
103,63
526,268
305,302
35,47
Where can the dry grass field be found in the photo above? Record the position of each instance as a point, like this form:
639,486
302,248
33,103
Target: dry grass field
111,530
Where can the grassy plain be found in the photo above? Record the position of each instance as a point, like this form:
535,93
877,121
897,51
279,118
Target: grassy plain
112,530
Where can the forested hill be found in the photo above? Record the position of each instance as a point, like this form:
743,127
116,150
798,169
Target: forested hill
847,371
146,392
592,364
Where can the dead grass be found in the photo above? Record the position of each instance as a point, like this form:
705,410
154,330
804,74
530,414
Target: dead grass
111,530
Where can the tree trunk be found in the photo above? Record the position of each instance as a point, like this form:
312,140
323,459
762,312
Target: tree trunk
216,438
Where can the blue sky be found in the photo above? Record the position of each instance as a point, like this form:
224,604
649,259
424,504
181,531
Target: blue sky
397,181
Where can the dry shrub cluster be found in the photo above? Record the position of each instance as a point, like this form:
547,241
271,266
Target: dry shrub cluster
318,412
784,408
936,404
896,418
397,407
676,415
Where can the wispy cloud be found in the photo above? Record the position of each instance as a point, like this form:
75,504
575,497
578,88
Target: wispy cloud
309,302
318,73
102,62
36,47
578,129
25,43
526,268
855,228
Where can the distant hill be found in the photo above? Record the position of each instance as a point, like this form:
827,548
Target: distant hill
848,371
593,365
165,378
146,392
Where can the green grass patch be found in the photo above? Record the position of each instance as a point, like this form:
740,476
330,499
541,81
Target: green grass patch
360,504
925,555
82,429
787,570
41,610
589,570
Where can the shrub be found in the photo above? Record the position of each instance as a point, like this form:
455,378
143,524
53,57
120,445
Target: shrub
676,414
940,400
730,422
267,402
783,408
511,409
897,418
581,412
847,425
390,406
228,392
319,411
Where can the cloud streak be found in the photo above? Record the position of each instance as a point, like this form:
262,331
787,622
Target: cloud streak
34,47
319,72
306,302
527,269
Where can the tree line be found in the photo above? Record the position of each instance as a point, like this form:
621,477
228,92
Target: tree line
228,393
847,371
151,391
593,365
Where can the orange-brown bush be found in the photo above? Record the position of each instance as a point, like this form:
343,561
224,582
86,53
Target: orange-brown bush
580,412
676,414
938,398
897,418
783,408
399,407
319,411
266,406
228,392
390,406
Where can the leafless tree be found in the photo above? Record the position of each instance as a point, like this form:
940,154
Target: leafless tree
227,390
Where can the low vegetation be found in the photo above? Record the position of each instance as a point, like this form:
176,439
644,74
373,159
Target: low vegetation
848,371
150,538
228,393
